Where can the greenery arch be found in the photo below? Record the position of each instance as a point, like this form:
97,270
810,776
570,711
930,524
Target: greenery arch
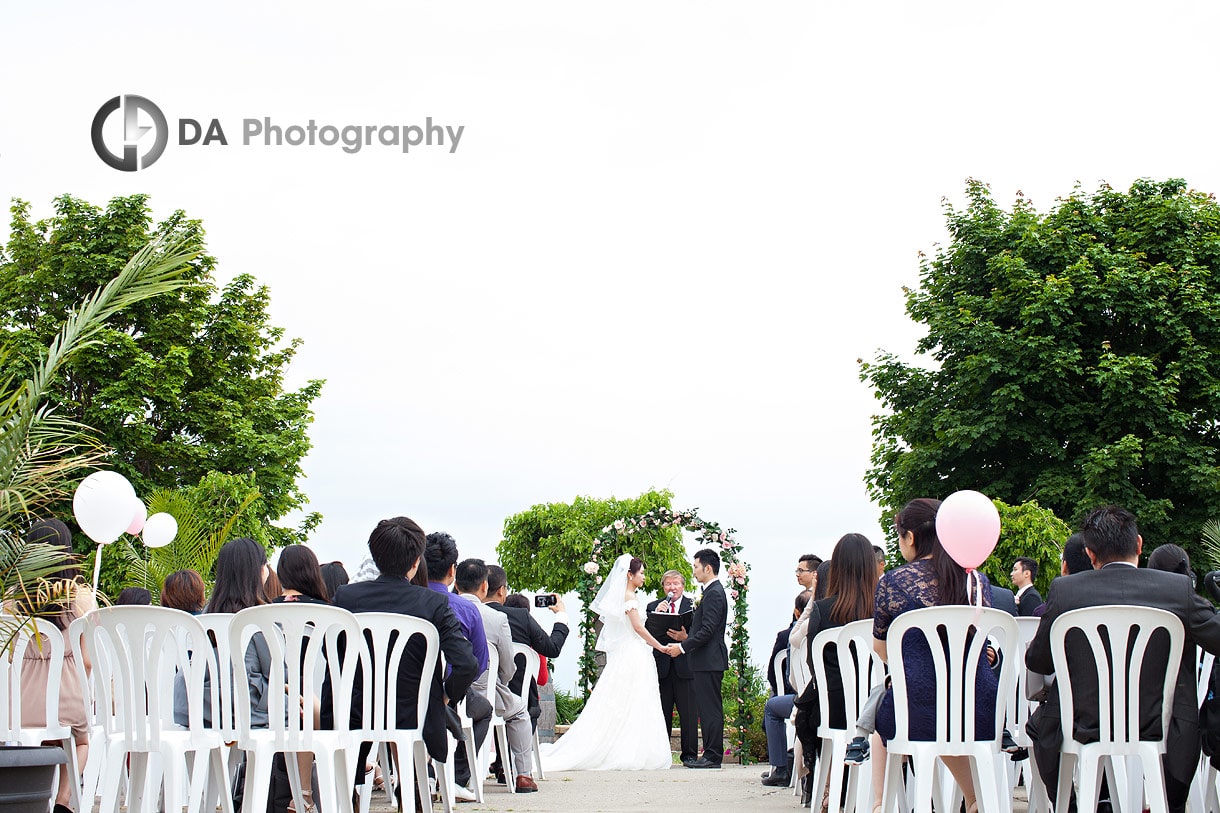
614,540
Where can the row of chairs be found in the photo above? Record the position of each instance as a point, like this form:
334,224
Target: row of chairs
956,637
137,655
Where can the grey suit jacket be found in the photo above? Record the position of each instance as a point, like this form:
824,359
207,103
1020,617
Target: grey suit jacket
704,647
1120,584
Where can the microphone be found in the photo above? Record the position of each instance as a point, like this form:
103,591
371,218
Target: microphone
673,596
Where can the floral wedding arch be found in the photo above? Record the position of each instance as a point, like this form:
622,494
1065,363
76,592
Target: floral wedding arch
615,538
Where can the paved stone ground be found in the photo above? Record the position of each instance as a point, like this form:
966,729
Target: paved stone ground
678,790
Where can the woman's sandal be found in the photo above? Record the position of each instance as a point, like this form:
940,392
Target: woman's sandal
307,796
378,779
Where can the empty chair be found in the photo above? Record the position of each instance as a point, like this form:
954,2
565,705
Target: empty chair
532,664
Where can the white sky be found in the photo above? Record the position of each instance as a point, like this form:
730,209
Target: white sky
667,234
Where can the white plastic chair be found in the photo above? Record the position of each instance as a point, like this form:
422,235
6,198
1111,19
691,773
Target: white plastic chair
304,641
385,637
1205,788
481,764
91,773
861,670
132,650
966,630
1124,628
533,662
224,716
31,635
778,666
1019,709
446,787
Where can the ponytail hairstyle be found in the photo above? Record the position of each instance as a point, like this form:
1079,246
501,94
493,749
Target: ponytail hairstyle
919,518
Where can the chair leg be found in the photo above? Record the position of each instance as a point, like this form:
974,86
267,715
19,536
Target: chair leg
834,771
538,756
923,774
420,758
258,778
893,783
1154,781
508,764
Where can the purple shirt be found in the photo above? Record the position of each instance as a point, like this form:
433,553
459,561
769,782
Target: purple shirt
469,619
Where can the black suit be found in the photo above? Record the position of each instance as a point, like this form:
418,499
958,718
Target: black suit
1031,600
709,658
388,594
525,630
1120,584
1003,599
676,679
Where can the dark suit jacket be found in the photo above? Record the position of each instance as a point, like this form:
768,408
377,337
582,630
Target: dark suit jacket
526,630
392,595
705,645
781,645
1003,599
1031,600
1120,584
679,664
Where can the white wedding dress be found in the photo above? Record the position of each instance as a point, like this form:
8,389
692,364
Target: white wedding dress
621,727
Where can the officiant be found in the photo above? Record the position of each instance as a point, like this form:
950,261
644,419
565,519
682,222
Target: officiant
675,674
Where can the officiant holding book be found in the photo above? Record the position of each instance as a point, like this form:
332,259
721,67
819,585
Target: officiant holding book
674,674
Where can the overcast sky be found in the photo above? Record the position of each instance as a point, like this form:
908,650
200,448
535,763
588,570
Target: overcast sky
666,234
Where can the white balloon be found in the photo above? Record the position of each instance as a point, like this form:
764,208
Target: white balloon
102,506
160,530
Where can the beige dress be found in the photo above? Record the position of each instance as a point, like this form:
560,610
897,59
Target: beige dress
35,669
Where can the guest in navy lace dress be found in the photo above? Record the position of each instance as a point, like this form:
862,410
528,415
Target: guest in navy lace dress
929,579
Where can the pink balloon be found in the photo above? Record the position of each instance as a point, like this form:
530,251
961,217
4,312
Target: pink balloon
139,514
968,527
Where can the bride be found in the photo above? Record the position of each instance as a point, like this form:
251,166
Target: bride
621,727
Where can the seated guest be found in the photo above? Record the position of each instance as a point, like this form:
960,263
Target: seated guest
778,707
396,546
822,582
1072,560
1172,559
300,577
1024,571
879,552
134,597
471,582
807,571
77,600
334,576
1113,544
851,585
441,556
527,631
522,602
929,579
184,590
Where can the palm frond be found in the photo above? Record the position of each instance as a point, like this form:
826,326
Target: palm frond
1208,551
39,452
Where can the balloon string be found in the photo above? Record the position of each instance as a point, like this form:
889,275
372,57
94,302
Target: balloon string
97,567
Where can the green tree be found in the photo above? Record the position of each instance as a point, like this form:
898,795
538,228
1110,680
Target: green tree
546,547
1071,357
220,508
42,454
1027,530
179,386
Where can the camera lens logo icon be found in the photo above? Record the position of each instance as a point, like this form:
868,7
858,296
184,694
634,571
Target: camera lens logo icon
135,135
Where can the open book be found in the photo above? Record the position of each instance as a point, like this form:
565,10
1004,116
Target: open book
656,623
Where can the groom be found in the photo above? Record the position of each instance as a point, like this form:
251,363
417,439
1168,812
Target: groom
708,657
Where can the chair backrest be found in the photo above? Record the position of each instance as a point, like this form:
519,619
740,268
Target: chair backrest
87,679
493,674
798,667
27,635
957,637
385,639
779,666
304,643
224,716
134,652
1111,630
533,663
1203,672
1019,706
860,668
